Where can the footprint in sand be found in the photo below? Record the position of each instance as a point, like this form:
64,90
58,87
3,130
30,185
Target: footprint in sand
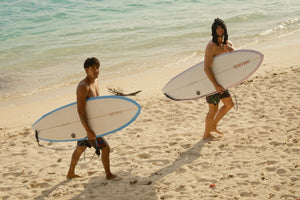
6,189
245,194
130,152
19,154
139,130
294,179
181,188
144,156
54,166
287,196
281,172
275,144
26,133
131,132
40,185
170,129
13,174
186,146
290,114
271,169
242,175
180,171
277,187
271,162
263,132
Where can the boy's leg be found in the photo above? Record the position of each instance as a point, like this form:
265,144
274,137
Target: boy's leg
74,160
228,104
209,121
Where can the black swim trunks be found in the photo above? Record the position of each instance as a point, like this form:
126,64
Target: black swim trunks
215,98
89,143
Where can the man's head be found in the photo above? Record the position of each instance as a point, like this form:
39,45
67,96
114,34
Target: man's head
91,66
218,23
89,62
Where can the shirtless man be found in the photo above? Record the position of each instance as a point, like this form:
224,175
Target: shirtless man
218,45
87,88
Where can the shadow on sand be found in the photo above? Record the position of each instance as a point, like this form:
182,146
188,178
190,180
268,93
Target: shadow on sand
130,186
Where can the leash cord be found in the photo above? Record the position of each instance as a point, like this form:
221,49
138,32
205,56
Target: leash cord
236,107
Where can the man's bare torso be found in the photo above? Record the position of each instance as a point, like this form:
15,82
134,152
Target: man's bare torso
92,88
217,50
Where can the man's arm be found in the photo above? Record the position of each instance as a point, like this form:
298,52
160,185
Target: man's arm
229,46
208,60
82,92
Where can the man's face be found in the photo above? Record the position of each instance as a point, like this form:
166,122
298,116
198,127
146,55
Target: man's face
220,31
92,71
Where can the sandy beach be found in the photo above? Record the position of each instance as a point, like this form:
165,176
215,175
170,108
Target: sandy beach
162,155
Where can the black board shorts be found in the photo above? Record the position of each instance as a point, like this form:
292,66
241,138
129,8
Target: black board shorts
215,98
90,143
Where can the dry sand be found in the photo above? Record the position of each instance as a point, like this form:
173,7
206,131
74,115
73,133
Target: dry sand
161,155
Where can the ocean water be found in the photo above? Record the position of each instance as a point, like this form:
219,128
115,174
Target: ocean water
44,43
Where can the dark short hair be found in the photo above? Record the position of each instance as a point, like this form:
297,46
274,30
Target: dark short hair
218,22
91,62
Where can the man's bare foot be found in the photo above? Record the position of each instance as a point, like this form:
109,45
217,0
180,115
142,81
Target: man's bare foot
69,176
210,138
214,129
113,177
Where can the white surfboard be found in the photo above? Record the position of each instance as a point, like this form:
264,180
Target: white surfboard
229,69
106,115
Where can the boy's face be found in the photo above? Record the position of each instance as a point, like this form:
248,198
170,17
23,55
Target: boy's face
220,31
92,71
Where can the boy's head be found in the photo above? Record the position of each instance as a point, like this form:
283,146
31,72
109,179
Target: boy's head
91,62
219,22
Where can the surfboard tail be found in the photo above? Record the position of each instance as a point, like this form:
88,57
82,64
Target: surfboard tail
171,97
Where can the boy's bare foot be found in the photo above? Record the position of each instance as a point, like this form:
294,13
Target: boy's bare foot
214,129
113,177
210,138
69,176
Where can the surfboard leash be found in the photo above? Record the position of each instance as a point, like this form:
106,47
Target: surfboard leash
40,145
97,147
90,159
58,149
96,152
236,107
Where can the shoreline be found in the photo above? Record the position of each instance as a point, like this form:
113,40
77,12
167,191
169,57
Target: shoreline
161,154
150,82
187,59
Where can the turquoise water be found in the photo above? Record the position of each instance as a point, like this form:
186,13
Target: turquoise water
44,43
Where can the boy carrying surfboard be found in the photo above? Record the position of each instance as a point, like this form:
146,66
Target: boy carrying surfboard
88,88
218,45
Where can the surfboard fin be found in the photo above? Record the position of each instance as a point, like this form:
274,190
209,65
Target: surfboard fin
37,137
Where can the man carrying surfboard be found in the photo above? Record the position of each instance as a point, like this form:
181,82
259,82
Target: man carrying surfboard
218,45
88,88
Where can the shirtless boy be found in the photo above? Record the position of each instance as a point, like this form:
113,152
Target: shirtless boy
218,45
87,88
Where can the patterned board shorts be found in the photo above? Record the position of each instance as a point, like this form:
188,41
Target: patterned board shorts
215,98
90,143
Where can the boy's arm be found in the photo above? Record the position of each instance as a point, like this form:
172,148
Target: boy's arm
82,92
208,60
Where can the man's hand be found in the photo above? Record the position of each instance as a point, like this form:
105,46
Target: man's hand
228,47
91,135
219,89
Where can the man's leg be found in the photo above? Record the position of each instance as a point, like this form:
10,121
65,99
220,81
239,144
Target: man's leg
209,121
75,157
106,162
228,104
